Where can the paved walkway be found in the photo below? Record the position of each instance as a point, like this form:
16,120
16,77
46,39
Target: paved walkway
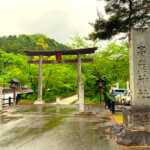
57,128
68,100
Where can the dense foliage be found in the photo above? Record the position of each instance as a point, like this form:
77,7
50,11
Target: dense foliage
61,80
18,44
123,14
113,63
14,64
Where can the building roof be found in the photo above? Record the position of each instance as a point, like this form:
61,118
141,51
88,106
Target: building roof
14,80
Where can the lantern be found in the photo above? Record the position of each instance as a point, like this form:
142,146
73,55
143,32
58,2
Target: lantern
101,87
101,84
58,57
14,84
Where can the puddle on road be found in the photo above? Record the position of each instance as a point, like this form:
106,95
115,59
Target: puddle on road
6,119
40,120
46,109
65,131
18,134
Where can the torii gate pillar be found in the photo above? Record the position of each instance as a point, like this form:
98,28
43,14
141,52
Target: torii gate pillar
80,86
1,102
39,99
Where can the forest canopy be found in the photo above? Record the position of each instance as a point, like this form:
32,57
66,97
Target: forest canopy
61,79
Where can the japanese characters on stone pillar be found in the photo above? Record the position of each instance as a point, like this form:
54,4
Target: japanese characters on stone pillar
140,66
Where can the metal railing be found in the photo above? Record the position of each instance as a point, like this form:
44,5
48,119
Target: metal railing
8,103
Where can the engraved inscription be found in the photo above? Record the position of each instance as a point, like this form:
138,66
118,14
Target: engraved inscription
142,71
140,66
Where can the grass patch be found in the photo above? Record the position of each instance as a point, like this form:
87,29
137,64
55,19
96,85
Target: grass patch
25,102
92,101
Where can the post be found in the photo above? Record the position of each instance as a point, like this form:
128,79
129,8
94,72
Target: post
117,85
9,101
80,86
39,99
14,96
57,100
100,97
1,99
127,85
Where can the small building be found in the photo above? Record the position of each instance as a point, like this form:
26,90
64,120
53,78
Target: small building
7,93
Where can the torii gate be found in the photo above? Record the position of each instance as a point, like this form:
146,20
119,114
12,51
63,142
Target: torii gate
58,54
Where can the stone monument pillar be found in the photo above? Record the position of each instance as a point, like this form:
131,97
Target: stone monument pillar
137,117
140,67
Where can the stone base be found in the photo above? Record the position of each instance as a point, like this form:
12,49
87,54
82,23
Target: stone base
136,126
81,108
39,102
132,138
137,118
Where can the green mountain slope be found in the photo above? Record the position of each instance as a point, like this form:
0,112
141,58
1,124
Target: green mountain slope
18,44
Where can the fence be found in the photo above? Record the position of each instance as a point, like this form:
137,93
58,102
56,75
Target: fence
7,101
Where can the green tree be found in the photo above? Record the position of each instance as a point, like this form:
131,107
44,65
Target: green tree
80,42
18,44
61,80
13,66
123,14
112,62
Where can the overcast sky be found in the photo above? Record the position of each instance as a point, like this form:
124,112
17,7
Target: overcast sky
59,19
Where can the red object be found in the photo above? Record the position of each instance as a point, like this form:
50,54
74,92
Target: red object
100,85
58,57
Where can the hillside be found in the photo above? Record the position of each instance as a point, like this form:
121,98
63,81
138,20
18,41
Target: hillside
18,44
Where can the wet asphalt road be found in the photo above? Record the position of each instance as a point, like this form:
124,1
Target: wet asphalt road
57,128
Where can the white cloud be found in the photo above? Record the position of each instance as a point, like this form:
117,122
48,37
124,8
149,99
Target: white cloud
58,19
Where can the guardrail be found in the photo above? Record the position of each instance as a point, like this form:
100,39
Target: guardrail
7,101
